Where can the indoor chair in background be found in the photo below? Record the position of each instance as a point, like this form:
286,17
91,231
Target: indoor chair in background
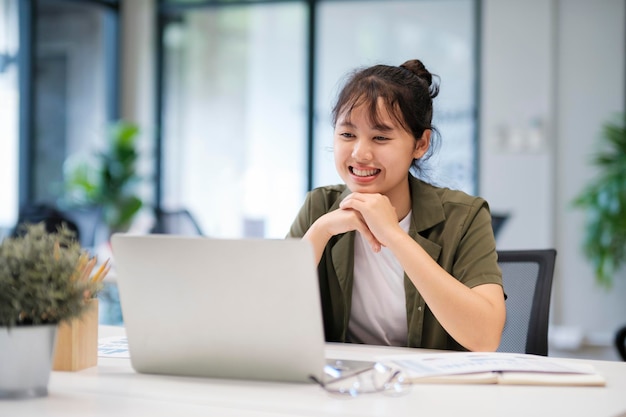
527,279
50,215
175,222
620,342
90,222
497,221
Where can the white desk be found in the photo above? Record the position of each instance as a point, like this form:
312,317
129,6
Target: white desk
114,389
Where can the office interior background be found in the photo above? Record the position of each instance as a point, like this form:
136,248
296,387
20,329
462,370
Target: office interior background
233,101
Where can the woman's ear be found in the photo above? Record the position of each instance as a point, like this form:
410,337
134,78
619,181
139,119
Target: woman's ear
422,144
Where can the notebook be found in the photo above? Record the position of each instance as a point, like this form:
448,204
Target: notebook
240,308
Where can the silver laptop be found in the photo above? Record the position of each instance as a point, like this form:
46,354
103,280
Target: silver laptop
195,306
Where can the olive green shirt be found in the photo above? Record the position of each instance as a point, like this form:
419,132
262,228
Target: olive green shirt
454,228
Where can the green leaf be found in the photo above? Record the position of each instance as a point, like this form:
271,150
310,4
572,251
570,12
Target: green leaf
604,201
109,178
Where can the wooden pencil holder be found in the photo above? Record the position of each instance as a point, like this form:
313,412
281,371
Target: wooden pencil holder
77,341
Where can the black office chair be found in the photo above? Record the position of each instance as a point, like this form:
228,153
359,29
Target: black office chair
90,222
497,221
620,342
527,278
45,213
178,222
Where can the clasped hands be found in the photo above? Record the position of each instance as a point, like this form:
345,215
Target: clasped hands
372,215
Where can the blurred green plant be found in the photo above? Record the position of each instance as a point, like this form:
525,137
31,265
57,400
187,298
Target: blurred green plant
44,277
107,179
604,202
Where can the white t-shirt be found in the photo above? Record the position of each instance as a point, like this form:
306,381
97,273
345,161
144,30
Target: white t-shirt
378,312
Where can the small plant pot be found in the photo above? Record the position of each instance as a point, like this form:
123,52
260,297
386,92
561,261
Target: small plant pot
26,360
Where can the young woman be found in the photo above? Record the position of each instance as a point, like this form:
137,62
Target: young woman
401,262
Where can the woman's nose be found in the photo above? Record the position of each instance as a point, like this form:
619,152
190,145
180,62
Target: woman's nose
361,151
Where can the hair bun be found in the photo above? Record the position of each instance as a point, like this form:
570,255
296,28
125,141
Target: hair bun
417,67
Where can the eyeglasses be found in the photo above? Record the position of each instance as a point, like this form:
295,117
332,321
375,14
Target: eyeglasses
376,378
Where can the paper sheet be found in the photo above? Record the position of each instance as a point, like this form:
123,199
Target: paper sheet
113,347
456,363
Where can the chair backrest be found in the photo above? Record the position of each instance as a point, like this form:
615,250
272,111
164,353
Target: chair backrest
177,222
527,279
45,213
497,221
620,342
90,222
83,221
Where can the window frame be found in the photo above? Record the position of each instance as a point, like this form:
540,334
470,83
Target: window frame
27,13
168,8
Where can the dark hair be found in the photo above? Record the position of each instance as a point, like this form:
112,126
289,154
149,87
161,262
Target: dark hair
407,90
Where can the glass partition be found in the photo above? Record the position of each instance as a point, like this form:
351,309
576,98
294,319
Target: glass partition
71,88
441,34
9,105
234,145
235,137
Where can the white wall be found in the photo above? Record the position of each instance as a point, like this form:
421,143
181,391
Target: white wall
515,174
561,64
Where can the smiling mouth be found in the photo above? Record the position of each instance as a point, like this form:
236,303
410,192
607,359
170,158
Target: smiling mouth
363,172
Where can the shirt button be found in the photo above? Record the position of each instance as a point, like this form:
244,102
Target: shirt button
419,308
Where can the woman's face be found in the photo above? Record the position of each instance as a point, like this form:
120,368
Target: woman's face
376,159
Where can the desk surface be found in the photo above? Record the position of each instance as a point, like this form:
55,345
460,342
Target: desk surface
114,389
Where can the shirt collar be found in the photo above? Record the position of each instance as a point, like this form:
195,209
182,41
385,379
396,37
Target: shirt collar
427,208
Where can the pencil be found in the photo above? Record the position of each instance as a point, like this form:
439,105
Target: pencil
101,272
87,269
80,265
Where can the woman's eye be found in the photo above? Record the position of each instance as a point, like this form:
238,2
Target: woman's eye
380,138
346,135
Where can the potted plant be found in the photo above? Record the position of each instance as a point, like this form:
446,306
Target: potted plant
108,180
45,280
604,202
